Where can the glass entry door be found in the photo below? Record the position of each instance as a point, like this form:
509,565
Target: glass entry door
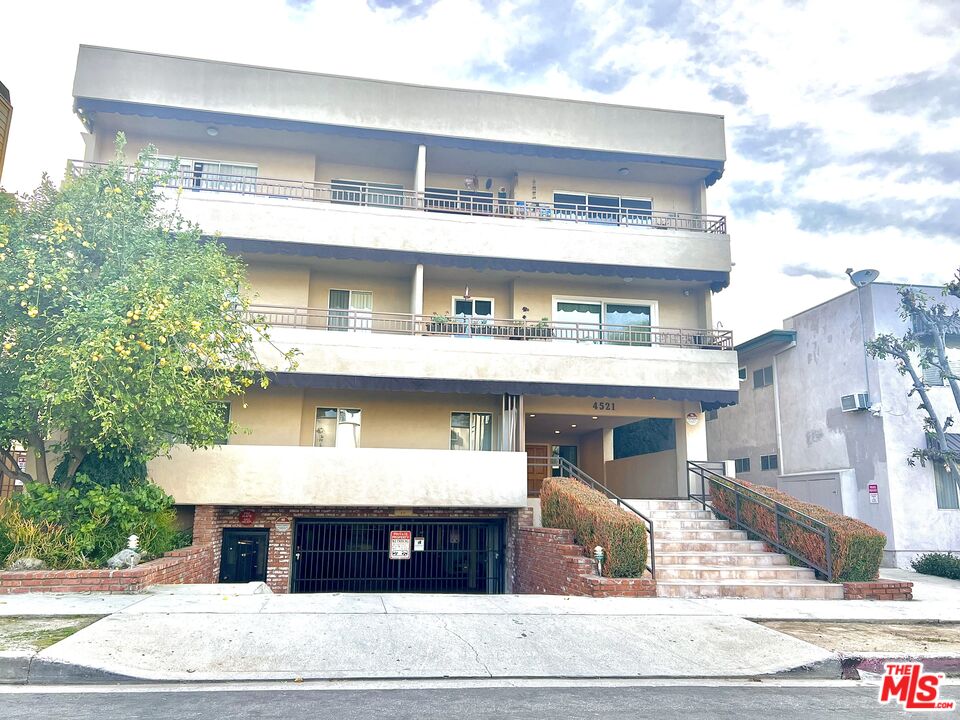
351,310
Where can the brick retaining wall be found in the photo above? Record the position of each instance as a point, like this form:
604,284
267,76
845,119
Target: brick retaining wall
549,562
209,522
878,590
193,564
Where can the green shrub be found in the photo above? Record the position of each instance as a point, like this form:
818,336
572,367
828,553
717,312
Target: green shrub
568,503
30,538
105,469
940,564
96,519
856,548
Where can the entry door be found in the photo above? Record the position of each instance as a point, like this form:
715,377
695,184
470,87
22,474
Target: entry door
244,556
538,467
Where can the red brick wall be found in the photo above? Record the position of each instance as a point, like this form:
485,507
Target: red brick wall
878,590
550,563
188,565
210,520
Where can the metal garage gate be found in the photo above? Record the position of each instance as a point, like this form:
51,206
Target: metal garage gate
355,556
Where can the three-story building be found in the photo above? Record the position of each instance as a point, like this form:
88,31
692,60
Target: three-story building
481,285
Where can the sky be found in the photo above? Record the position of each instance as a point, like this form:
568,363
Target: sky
842,116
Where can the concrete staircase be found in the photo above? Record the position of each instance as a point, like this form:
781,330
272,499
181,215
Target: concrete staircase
699,556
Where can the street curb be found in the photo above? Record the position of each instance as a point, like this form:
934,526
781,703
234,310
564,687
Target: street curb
949,665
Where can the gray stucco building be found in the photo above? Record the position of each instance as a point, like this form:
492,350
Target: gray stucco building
790,430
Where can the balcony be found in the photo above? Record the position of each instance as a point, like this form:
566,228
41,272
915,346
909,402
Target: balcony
463,351
341,477
455,202
464,229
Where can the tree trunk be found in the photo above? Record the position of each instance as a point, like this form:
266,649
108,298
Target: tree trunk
930,410
36,442
76,458
945,367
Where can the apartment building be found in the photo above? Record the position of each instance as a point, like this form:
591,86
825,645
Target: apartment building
821,420
481,285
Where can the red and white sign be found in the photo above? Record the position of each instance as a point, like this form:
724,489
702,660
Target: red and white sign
400,544
873,488
908,685
246,517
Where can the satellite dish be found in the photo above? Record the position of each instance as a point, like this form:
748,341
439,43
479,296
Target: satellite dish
861,278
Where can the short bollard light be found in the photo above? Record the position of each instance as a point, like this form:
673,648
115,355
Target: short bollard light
598,555
133,542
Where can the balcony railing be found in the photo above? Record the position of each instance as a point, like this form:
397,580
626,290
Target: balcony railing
365,321
457,202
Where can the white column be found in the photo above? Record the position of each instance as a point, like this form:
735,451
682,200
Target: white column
420,176
691,444
416,291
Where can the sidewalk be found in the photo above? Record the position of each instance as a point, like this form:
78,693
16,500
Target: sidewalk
219,632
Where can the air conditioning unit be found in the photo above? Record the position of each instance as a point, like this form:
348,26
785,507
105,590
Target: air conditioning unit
855,402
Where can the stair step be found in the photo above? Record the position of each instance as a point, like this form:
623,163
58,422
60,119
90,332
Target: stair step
731,572
653,505
693,534
741,559
724,546
783,589
689,524
658,515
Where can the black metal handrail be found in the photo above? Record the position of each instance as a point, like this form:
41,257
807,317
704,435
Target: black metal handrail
781,513
568,469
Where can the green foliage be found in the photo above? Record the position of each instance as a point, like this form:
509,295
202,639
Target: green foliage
88,523
940,564
568,503
649,435
856,548
120,328
105,469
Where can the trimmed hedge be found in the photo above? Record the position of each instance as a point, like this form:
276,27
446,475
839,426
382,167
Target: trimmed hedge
940,564
569,504
856,548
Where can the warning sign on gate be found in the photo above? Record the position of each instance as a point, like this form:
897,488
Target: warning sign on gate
400,544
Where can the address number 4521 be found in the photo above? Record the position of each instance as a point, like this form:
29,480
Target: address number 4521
604,406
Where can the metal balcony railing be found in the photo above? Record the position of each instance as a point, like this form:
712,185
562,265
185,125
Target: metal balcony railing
458,202
458,326
802,537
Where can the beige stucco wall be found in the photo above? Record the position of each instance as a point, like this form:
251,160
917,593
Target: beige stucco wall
438,293
326,171
591,454
279,284
271,162
398,420
653,475
364,477
390,294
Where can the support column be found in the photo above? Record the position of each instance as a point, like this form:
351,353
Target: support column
511,423
416,291
420,175
691,444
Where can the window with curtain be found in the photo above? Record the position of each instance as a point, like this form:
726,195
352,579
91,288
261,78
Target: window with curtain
473,307
225,177
471,431
627,324
350,310
337,427
602,209
361,192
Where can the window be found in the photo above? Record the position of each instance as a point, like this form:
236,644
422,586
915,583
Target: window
471,431
763,377
948,497
223,409
710,415
350,310
211,174
741,465
463,201
360,192
561,452
614,322
473,307
769,462
337,427
742,374
602,209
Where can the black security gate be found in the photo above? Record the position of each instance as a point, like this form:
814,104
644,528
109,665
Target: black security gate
355,556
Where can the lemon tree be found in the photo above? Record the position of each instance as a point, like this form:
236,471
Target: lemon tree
120,326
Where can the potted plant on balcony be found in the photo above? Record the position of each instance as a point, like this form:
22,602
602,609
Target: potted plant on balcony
445,325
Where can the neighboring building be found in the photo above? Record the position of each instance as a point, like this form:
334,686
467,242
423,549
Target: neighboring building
473,278
791,431
6,114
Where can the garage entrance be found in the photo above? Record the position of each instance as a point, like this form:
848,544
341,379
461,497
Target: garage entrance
377,556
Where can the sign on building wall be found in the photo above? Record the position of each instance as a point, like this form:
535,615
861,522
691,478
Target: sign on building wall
874,491
400,544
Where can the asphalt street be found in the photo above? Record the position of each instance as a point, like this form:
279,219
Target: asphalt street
803,701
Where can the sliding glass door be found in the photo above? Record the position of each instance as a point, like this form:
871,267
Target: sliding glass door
351,310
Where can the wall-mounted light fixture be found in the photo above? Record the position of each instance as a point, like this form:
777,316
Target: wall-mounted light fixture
212,131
